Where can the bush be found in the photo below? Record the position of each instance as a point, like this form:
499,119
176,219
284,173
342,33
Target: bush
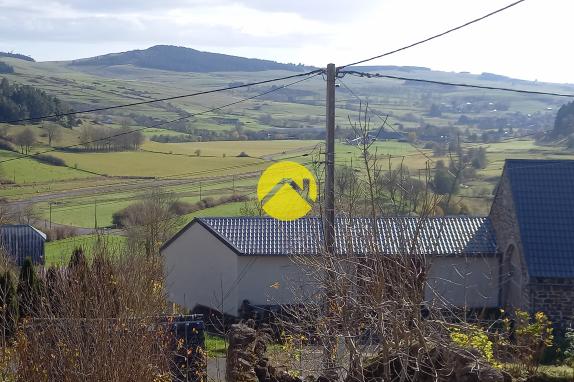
59,233
444,182
530,335
100,319
476,338
243,154
569,347
178,208
5,145
9,300
5,68
49,159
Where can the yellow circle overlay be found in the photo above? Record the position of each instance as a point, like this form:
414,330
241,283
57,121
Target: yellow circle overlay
286,190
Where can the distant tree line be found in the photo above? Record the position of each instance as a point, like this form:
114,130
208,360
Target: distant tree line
5,68
204,135
100,138
564,121
24,101
16,55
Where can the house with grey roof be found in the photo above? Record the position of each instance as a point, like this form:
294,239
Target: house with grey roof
21,241
519,257
533,217
221,262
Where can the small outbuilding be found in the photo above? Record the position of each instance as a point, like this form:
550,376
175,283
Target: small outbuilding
21,241
221,262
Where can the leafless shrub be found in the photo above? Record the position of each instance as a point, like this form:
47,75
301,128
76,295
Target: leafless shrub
98,321
364,315
150,222
59,233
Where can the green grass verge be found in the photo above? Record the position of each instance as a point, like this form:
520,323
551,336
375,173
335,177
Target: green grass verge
58,252
215,346
555,373
25,171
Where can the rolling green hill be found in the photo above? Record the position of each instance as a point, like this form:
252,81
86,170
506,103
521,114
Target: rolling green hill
283,124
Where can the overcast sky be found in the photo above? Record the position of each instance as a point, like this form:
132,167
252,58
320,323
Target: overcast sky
530,41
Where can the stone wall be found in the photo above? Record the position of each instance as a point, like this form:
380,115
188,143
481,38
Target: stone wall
513,273
555,297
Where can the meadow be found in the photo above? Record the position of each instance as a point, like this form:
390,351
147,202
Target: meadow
59,252
113,180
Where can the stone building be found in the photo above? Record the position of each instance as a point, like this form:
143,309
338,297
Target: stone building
533,219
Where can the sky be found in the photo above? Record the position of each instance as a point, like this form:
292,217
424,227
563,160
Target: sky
529,41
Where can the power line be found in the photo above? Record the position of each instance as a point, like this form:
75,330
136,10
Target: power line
59,115
476,143
309,76
377,75
384,120
421,152
435,36
191,189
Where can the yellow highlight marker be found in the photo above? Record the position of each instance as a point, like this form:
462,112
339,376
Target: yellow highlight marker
286,190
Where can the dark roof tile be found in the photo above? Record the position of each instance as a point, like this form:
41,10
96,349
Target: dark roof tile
440,235
543,195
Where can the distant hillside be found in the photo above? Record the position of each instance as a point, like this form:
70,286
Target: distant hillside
16,55
180,59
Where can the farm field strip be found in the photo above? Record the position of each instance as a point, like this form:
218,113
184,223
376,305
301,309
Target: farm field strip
83,215
182,191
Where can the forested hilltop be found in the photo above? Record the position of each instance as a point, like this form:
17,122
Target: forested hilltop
25,101
17,55
180,59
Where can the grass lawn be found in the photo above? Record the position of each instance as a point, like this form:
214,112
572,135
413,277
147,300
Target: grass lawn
215,346
82,215
26,171
413,158
556,373
141,163
58,252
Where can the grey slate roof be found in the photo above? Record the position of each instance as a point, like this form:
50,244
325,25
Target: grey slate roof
543,195
21,241
270,237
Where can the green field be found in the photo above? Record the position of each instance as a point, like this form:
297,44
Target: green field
286,111
58,252
26,170
153,164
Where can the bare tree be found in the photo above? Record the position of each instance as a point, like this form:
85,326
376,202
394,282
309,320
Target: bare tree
25,139
53,131
151,221
363,304
100,138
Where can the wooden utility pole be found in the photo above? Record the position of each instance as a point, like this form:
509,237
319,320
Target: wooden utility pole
50,204
330,341
329,226
95,214
200,190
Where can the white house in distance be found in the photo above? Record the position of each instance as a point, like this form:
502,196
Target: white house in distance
220,262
